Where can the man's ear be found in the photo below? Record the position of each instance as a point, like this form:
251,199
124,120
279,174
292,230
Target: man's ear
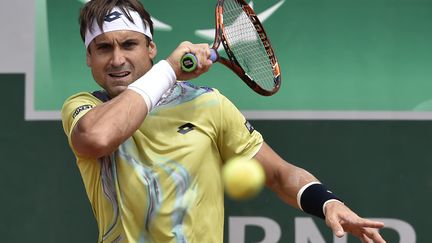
152,49
88,59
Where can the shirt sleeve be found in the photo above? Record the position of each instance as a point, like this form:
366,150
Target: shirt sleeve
237,137
74,108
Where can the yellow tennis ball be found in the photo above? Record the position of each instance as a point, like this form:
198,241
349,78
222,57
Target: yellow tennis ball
243,178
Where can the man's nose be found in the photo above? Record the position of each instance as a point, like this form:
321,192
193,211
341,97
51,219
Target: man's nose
118,57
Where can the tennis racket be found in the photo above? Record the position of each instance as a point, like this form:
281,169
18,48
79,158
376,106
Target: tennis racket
248,49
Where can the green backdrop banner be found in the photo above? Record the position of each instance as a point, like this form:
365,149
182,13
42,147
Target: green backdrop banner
347,56
335,55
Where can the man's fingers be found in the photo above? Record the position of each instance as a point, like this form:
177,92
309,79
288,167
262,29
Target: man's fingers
203,54
374,235
372,224
335,226
200,51
341,219
364,238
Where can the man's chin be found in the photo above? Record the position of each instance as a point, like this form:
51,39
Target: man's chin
116,91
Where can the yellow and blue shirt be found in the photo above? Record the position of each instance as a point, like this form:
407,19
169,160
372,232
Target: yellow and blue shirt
163,184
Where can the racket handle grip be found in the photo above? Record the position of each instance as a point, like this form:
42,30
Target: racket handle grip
189,61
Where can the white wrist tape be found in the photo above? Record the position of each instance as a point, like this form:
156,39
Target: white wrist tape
154,83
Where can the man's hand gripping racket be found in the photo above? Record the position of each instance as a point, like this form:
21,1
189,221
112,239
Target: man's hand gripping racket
248,49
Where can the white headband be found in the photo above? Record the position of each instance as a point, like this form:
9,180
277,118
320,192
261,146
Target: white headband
116,20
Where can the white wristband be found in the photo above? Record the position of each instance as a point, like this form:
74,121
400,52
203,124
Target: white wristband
152,85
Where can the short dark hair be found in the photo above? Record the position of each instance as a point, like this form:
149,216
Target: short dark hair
98,9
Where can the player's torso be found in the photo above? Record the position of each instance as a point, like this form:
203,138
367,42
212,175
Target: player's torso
168,173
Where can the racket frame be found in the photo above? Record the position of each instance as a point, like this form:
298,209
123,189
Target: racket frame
231,62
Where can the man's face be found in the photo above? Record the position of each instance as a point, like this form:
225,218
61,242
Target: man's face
118,58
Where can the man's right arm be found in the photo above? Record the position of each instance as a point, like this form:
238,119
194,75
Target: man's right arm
102,129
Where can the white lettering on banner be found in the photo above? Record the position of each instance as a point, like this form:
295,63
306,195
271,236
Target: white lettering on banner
406,232
305,230
237,228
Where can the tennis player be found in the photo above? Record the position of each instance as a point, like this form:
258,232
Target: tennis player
150,148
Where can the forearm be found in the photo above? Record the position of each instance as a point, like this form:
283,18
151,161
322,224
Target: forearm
301,189
288,182
106,126
283,178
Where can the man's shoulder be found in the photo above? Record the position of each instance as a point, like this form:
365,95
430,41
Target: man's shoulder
78,102
93,96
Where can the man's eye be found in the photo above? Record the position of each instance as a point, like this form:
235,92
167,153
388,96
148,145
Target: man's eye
103,47
129,44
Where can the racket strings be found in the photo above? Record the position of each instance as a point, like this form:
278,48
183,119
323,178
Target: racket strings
246,45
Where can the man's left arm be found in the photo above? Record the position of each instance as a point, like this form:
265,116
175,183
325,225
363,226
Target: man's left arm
300,189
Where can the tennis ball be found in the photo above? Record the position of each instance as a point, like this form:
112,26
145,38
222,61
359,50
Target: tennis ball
242,178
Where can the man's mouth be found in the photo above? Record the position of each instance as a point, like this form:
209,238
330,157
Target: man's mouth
119,74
